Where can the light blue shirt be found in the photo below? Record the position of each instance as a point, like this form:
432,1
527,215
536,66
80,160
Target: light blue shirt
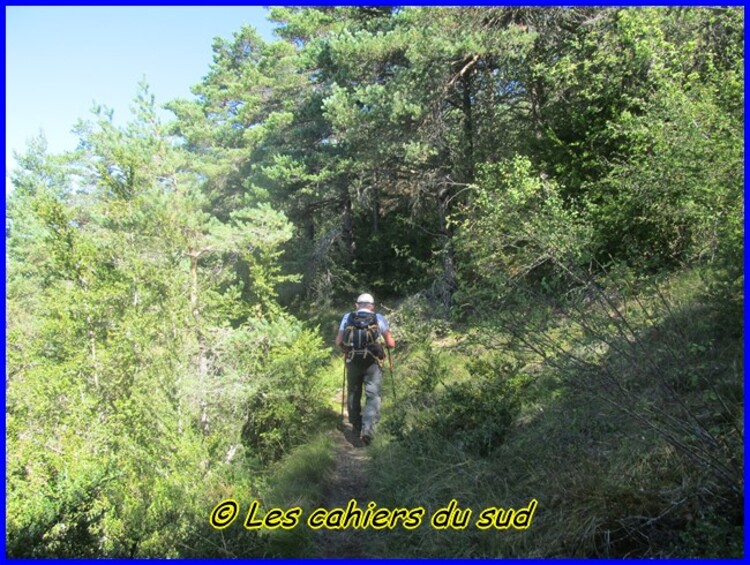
382,322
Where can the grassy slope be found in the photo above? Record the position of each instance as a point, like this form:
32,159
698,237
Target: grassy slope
627,430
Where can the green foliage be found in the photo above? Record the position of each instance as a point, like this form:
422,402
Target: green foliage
120,389
626,427
667,203
639,135
287,405
713,535
517,230
392,255
299,478
473,415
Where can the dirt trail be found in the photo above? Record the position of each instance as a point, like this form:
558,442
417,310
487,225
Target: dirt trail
348,480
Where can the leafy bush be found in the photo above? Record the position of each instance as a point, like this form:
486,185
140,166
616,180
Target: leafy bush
474,415
417,322
287,403
517,230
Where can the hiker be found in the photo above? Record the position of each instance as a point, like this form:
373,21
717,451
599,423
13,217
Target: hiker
358,337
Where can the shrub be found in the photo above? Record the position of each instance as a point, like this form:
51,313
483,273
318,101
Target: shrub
474,415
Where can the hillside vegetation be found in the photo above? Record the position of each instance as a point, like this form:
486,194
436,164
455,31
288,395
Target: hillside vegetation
548,207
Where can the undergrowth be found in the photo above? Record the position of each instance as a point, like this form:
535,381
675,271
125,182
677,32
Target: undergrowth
621,414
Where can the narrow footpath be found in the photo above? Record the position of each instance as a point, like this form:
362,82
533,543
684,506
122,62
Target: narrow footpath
347,480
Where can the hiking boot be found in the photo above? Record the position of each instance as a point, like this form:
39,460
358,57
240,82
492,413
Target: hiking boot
366,437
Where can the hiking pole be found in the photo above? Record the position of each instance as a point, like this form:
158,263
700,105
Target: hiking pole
343,395
390,368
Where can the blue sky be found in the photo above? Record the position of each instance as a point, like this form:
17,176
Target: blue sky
60,60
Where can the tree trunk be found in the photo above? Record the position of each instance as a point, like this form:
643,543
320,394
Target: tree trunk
375,211
536,104
311,229
202,355
350,246
449,264
466,103
446,196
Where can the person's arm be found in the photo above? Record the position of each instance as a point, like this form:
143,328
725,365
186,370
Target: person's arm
340,336
389,341
385,331
340,341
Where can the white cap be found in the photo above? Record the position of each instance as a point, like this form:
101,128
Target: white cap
365,299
